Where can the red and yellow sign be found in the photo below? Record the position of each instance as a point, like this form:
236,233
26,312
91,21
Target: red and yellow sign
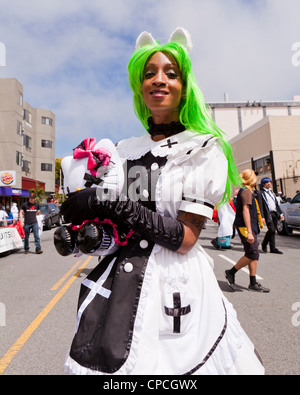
7,178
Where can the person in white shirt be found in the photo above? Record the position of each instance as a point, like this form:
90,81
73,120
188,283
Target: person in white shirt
3,216
15,211
280,198
272,213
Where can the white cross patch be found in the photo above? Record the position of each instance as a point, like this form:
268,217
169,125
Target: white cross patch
96,288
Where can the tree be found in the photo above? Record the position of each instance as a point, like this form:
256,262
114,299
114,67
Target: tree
58,172
39,191
59,180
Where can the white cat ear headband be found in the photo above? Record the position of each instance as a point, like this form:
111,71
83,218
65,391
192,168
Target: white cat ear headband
179,35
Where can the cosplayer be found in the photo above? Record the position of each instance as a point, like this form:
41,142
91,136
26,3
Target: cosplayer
154,306
92,164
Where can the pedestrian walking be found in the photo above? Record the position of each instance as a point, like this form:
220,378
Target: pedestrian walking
248,222
28,212
272,214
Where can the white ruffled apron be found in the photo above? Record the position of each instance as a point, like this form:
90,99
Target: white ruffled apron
163,313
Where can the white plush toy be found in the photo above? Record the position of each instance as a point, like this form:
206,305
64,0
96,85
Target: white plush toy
92,165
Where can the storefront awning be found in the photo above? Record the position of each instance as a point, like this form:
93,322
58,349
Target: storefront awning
30,183
5,191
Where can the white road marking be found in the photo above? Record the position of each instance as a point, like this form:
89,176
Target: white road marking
233,263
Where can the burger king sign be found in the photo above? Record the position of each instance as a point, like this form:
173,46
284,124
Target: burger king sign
7,178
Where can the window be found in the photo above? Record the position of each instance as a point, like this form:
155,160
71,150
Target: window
19,158
27,142
267,165
27,116
262,165
26,166
21,99
47,143
258,166
47,121
296,199
19,128
46,167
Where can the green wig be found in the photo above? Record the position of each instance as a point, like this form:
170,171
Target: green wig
193,113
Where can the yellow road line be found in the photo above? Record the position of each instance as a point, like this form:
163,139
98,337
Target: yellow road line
54,288
16,347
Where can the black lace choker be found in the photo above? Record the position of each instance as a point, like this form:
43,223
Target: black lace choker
167,129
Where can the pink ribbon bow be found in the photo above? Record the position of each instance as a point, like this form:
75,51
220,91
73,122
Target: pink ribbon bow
97,157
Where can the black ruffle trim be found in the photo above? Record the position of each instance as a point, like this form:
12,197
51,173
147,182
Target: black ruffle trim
167,129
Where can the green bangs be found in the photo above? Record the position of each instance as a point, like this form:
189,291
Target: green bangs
136,68
193,112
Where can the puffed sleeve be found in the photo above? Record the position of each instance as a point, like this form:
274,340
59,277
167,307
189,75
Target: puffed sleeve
205,175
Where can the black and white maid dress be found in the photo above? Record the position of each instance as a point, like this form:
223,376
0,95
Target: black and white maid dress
147,310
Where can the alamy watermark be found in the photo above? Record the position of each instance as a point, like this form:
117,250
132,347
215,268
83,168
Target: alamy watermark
140,185
2,54
296,56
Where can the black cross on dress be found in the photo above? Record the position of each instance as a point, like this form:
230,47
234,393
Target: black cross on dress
177,311
169,145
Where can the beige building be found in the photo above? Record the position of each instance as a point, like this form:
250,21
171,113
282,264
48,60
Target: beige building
27,140
235,117
271,147
265,137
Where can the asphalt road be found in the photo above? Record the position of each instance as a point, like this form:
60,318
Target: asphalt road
38,300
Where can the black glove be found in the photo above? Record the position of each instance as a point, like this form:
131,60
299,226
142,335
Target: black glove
88,204
77,208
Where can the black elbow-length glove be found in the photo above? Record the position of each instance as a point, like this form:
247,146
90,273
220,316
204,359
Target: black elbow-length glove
85,204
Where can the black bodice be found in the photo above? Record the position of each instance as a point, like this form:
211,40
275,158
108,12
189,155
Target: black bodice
141,177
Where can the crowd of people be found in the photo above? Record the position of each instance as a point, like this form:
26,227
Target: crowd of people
8,215
25,220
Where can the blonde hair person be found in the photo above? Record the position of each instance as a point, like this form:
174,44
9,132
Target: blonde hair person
248,222
248,177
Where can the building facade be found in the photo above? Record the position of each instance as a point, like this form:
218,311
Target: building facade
27,143
271,147
235,117
265,137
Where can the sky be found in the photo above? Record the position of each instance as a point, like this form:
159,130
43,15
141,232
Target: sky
71,56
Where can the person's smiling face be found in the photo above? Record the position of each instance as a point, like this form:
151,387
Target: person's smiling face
162,87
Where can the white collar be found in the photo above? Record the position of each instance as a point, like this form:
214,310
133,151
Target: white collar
135,147
268,190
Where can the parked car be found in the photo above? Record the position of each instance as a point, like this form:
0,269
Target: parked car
291,212
62,217
51,215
